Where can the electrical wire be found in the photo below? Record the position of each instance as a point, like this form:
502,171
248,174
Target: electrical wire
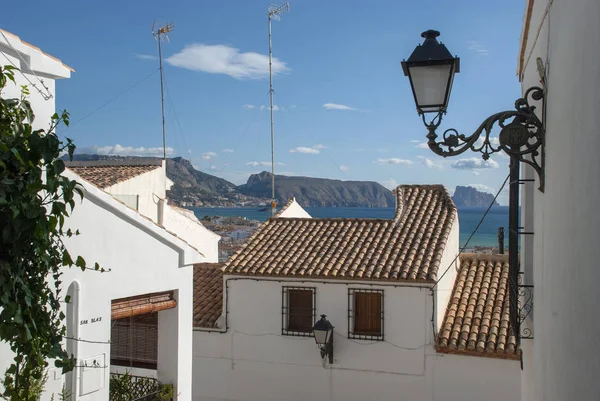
473,233
48,95
172,107
111,100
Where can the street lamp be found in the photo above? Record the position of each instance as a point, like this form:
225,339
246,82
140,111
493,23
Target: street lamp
323,331
431,69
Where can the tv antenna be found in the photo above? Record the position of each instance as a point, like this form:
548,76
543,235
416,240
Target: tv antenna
273,13
160,35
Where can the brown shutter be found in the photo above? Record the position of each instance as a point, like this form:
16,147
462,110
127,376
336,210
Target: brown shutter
367,313
134,341
300,309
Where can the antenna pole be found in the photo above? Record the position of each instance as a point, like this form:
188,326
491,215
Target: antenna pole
273,203
273,12
162,97
158,35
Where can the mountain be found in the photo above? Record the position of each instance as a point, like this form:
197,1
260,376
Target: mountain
469,196
195,188
319,192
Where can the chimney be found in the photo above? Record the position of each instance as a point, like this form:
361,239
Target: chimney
501,240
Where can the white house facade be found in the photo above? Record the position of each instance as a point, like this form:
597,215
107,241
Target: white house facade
560,259
36,68
399,331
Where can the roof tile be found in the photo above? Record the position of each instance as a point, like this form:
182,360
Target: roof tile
208,294
407,248
477,319
105,176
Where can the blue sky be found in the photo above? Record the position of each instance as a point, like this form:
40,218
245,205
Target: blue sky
345,108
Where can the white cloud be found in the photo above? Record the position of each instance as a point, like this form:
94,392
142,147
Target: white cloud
422,145
213,168
145,56
125,150
334,106
227,60
208,155
477,47
303,149
415,141
319,146
344,168
483,188
389,184
248,106
394,160
474,163
431,164
227,150
256,164
275,108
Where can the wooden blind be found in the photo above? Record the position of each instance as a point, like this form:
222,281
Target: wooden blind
134,341
367,313
300,310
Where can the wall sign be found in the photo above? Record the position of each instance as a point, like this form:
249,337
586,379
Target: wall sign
92,320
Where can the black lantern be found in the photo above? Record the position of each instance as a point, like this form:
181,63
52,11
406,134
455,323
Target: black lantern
431,70
323,331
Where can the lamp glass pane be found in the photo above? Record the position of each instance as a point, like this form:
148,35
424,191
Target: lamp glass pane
320,336
430,84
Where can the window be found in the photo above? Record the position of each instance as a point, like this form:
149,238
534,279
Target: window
134,341
365,314
298,311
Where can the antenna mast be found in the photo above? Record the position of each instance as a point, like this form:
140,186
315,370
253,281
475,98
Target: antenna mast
273,12
160,35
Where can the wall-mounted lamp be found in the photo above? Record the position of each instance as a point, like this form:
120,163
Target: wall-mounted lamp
431,69
323,331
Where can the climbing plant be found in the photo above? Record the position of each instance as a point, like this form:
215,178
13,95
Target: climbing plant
35,200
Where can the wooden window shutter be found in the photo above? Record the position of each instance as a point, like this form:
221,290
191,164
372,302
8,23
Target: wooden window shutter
367,312
300,304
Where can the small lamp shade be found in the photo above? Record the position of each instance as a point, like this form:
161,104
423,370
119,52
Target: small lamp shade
430,69
323,331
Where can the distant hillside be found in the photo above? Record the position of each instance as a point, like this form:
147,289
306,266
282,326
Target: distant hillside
469,196
195,188
310,191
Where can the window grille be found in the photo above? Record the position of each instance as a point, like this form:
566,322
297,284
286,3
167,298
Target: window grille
298,311
134,341
365,314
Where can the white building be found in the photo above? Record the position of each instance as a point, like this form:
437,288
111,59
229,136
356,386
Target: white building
137,316
561,258
38,71
411,321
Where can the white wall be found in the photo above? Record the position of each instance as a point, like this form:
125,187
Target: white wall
295,210
46,68
143,258
150,187
252,361
186,225
562,363
449,266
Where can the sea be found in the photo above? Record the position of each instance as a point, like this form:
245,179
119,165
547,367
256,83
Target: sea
468,217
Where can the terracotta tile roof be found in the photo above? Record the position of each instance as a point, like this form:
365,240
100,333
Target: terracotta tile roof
208,294
103,174
409,247
477,317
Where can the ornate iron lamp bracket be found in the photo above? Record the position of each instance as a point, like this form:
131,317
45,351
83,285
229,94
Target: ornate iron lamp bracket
522,135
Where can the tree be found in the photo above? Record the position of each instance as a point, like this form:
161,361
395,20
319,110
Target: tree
35,200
